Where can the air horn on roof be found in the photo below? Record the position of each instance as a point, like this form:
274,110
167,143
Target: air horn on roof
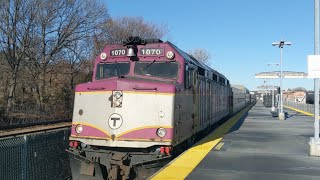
133,40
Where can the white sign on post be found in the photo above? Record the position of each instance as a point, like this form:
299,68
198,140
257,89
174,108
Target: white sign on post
314,66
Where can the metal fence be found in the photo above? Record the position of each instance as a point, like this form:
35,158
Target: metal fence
35,156
304,107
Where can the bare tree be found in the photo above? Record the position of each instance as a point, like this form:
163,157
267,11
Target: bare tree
58,25
300,89
4,80
116,30
47,46
76,56
200,55
16,19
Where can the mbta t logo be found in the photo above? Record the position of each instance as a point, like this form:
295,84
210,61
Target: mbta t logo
115,121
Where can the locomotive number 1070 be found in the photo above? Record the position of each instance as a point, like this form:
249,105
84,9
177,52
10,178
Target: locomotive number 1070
118,52
151,51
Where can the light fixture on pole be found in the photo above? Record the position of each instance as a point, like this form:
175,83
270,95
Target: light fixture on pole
281,44
273,109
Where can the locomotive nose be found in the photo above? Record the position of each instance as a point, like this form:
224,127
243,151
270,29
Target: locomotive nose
123,110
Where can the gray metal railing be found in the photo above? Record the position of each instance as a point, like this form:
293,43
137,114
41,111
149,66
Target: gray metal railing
303,107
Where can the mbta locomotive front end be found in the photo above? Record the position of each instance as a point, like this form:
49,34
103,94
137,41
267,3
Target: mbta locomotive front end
125,116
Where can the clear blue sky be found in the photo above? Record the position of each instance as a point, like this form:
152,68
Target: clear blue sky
238,34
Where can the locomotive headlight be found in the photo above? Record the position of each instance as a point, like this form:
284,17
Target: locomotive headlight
79,128
117,103
117,98
170,55
103,56
117,94
161,132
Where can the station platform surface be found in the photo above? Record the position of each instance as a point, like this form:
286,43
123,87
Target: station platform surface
256,146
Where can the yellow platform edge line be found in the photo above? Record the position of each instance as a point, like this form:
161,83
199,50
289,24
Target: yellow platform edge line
300,111
184,164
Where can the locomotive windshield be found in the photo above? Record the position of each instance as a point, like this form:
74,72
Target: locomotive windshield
112,70
157,69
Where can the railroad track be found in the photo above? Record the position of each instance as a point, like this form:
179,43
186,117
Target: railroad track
33,128
6,124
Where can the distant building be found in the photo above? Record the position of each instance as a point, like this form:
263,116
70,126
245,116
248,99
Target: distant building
295,96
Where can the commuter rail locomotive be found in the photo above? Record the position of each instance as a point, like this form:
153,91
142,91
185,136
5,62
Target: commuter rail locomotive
146,98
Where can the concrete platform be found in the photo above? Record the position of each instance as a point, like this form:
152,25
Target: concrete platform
262,147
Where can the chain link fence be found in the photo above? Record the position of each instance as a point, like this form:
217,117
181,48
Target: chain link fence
35,156
303,107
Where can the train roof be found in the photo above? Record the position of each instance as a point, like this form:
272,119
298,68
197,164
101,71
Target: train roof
240,87
194,61
188,58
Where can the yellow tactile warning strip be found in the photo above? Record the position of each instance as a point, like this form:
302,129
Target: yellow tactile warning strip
184,164
300,111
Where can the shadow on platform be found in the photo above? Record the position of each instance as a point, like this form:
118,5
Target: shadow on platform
238,124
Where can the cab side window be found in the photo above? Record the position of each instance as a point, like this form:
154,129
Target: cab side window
188,74
189,77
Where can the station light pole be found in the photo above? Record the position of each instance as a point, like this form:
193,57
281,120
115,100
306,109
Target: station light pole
314,143
273,108
316,80
281,44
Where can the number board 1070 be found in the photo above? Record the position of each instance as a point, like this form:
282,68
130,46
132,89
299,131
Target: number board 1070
118,52
151,51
